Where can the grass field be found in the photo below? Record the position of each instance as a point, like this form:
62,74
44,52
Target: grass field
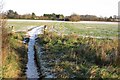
83,29
77,57
74,56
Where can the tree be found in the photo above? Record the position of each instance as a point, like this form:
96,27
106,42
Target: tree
61,17
109,19
53,16
33,15
74,17
115,16
16,15
10,14
27,16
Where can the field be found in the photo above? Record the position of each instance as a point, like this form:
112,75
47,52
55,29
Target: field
77,50
82,29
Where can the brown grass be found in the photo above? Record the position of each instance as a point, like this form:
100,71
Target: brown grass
15,61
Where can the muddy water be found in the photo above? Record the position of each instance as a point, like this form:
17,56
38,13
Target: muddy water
31,71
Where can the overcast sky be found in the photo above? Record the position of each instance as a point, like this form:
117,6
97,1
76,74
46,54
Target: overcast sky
66,7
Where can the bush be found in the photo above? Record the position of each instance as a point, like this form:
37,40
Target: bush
74,17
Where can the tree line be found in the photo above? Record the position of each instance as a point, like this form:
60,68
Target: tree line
10,14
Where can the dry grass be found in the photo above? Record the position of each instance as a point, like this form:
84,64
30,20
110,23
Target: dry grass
71,55
13,54
15,61
4,40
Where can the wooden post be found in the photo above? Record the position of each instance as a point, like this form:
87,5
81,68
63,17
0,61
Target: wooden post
44,29
13,29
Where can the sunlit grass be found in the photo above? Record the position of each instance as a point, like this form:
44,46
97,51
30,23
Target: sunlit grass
74,56
15,58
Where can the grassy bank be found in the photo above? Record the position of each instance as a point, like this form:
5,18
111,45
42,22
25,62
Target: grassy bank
14,57
71,56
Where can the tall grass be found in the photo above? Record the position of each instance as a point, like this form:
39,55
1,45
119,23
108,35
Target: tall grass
15,61
73,56
13,54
